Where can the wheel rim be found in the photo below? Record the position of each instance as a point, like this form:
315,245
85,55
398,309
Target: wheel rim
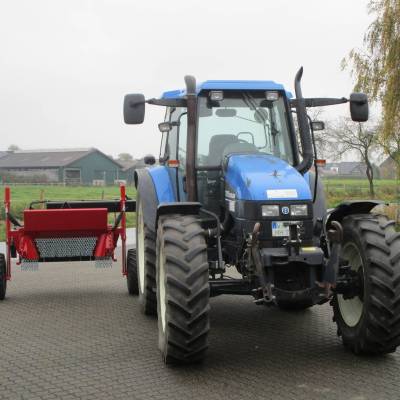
351,309
140,247
161,287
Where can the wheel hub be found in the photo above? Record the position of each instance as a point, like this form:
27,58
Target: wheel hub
350,282
350,286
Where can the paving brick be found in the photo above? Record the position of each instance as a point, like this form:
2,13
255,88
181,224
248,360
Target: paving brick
70,331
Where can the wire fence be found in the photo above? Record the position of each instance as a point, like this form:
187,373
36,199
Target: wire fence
336,191
387,191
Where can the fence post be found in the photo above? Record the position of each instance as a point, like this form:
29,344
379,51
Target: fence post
41,197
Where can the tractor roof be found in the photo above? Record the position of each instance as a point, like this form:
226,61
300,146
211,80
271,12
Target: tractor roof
227,85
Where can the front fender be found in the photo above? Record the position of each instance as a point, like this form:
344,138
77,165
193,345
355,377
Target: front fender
185,208
154,187
351,207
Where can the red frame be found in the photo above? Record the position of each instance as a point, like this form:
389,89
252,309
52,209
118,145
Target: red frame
63,223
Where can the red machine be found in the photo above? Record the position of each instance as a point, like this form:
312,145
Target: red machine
64,231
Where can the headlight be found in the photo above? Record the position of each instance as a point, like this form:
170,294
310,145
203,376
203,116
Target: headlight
298,210
270,211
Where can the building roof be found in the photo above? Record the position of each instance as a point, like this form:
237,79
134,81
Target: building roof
390,160
132,164
227,85
346,167
126,165
53,158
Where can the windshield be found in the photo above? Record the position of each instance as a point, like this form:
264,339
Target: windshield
243,122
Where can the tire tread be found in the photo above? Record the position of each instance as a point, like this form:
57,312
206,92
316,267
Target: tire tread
380,330
187,290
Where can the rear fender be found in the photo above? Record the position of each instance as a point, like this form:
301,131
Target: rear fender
351,207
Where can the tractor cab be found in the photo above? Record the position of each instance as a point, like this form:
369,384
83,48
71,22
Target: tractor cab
233,118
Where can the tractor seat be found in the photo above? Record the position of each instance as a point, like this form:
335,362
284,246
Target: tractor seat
217,145
239,147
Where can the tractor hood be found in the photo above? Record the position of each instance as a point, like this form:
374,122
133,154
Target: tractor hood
264,177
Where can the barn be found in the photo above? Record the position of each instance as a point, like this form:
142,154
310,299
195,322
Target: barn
68,166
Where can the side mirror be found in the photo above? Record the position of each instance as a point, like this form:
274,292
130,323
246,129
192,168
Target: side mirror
317,125
164,126
149,159
134,108
359,109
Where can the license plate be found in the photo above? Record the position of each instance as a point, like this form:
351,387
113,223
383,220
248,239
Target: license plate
279,228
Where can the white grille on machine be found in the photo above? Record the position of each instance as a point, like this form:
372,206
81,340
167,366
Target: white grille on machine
66,247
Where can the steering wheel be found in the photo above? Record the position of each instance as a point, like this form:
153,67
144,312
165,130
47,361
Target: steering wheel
245,133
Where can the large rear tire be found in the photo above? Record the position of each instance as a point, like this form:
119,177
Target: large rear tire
3,273
146,262
132,274
370,322
182,290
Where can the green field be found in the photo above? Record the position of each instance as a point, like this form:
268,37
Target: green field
336,190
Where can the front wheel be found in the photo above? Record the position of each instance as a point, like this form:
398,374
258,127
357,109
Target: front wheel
3,274
369,322
146,262
132,275
182,289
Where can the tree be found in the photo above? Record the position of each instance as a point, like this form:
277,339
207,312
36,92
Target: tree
348,136
376,68
391,147
13,147
125,157
322,143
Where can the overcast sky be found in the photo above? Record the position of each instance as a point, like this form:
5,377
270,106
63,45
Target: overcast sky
65,65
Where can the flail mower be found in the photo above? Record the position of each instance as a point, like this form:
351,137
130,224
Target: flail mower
54,231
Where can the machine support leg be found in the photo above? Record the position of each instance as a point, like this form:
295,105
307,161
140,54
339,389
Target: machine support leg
123,233
7,201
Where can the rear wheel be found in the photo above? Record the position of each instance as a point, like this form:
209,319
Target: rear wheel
182,289
146,263
132,276
3,273
370,322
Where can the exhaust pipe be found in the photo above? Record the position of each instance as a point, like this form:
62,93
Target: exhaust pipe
305,135
191,96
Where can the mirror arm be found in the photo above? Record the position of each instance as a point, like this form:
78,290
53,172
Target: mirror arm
168,102
319,102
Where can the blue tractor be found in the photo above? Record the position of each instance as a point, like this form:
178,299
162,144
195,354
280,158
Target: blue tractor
232,207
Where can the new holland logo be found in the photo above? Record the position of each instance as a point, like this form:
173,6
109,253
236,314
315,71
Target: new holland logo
285,210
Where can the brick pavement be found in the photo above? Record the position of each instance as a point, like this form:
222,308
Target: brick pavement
70,331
